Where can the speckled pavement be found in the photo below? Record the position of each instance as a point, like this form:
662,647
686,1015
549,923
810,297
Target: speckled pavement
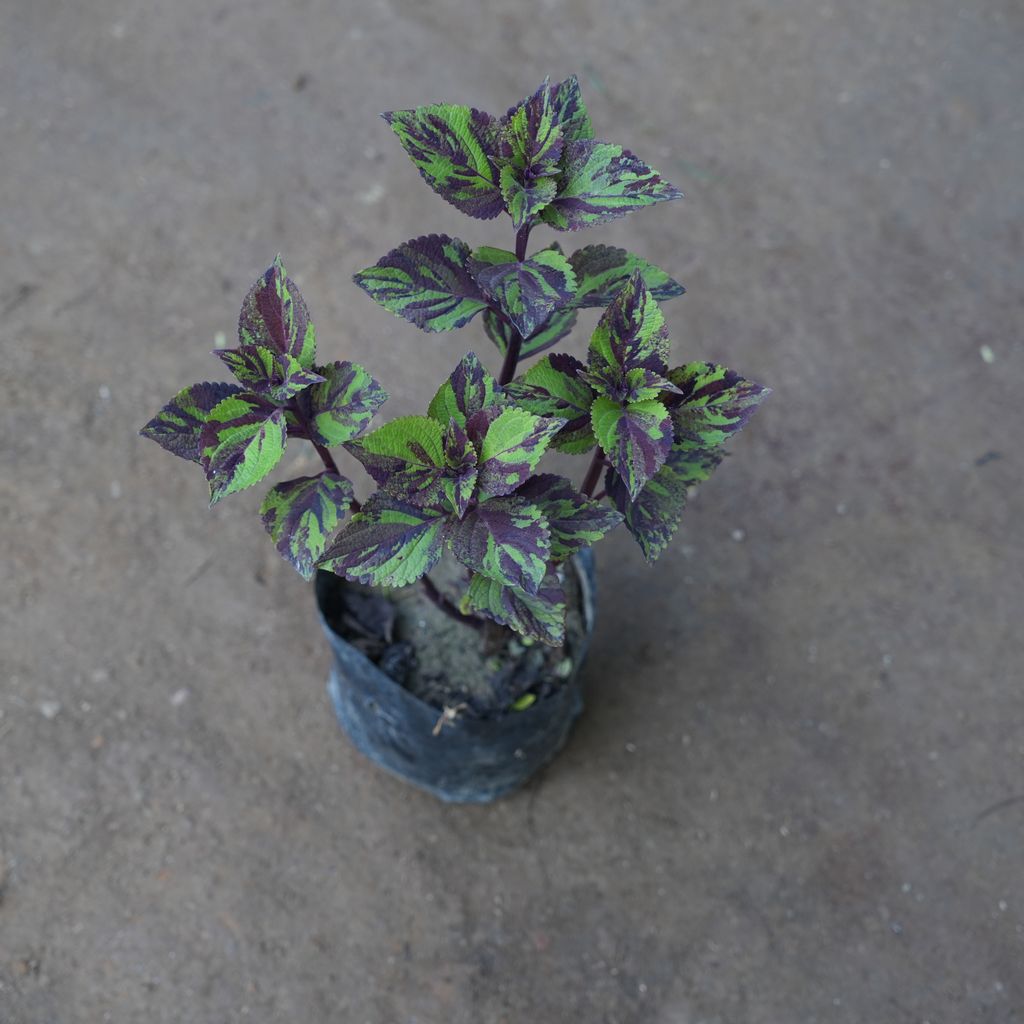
797,793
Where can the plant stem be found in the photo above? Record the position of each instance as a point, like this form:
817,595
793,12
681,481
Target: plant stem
508,367
325,456
593,473
446,605
522,239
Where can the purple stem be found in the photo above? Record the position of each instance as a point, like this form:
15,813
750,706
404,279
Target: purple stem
447,606
325,456
593,473
508,367
522,240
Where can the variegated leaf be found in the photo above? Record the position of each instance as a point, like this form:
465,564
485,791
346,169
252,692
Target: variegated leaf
460,482
643,383
509,445
276,375
406,458
527,292
178,426
550,333
389,543
301,514
425,281
575,521
630,334
653,517
525,197
602,270
506,539
570,111
532,134
274,314
540,616
600,182
242,441
469,389
340,408
713,404
554,387
635,437
635,385
454,149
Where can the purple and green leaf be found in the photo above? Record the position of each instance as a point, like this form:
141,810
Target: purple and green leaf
459,483
340,408
455,149
242,441
575,521
269,372
653,516
570,111
635,385
525,197
301,514
469,389
713,404
636,438
550,332
602,271
553,387
601,181
507,539
631,333
426,281
389,542
406,458
526,292
178,426
540,616
509,446
532,134
274,315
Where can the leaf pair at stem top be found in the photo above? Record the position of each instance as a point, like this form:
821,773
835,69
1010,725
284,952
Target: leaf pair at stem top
538,161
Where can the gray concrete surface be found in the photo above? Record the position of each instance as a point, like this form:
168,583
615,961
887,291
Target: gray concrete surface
798,792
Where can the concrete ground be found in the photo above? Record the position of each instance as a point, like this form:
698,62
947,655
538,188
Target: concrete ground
798,791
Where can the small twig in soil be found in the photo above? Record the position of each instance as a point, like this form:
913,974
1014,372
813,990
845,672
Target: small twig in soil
999,805
448,716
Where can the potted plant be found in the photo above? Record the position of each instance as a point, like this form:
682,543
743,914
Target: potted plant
458,598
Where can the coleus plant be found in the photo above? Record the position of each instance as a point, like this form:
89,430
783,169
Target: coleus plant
462,478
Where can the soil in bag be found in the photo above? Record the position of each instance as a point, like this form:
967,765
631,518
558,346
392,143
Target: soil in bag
483,672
